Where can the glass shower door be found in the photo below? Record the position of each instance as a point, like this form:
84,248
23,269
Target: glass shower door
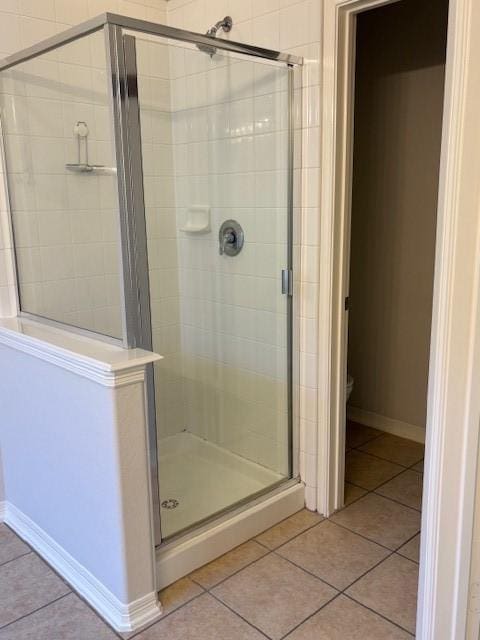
216,171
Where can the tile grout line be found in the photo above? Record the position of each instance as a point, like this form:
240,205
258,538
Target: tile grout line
385,481
16,558
249,564
357,448
310,573
344,590
367,491
265,555
360,535
396,501
396,551
275,551
379,614
296,535
373,455
239,615
325,604
44,606
355,499
323,581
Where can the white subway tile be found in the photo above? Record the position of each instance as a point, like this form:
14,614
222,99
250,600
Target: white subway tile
70,12
9,32
266,30
294,25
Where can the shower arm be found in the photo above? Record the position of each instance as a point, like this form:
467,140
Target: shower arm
225,24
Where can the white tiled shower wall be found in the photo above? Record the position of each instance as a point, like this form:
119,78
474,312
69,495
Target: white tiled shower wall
220,322
230,140
281,24
294,27
65,222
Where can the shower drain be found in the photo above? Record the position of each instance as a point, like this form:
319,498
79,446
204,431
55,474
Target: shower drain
171,503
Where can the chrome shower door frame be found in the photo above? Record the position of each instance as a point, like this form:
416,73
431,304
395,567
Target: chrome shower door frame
122,58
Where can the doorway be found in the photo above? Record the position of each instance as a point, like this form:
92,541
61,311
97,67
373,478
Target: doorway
387,239
398,108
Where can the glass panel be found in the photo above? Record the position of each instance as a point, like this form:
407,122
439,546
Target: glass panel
56,123
215,149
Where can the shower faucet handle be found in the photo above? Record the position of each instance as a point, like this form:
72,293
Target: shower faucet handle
230,238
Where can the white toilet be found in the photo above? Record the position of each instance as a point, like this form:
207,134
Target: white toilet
349,388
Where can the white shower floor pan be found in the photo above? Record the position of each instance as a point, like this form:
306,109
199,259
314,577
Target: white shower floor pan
206,479
198,479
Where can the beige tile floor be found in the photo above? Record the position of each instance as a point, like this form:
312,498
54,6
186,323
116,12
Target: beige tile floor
351,577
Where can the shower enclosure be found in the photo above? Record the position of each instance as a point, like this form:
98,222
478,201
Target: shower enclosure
150,181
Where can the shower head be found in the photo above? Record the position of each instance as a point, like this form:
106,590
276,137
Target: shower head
225,24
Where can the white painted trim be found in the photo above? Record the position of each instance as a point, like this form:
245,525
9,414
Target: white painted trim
180,558
123,617
108,365
389,425
3,510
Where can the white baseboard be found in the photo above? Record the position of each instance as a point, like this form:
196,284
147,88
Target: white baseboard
389,425
3,508
123,617
178,559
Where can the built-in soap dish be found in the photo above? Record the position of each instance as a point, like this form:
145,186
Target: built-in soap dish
196,219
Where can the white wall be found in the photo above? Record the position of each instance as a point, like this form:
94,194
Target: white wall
76,470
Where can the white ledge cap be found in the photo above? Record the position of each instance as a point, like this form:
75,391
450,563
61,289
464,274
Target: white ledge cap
100,361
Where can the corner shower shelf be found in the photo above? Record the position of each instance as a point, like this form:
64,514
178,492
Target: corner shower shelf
89,168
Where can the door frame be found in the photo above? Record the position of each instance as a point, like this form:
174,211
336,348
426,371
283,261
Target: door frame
454,373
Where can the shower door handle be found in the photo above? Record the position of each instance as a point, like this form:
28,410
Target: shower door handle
287,282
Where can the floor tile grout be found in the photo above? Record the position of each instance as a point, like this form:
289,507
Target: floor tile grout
355,499
308,572
402,504
386,481
357,448
239,615
269,551
22,555
343,591
323,581
373,455
325,604
378,614
360,535
397,553
26,615
296,535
